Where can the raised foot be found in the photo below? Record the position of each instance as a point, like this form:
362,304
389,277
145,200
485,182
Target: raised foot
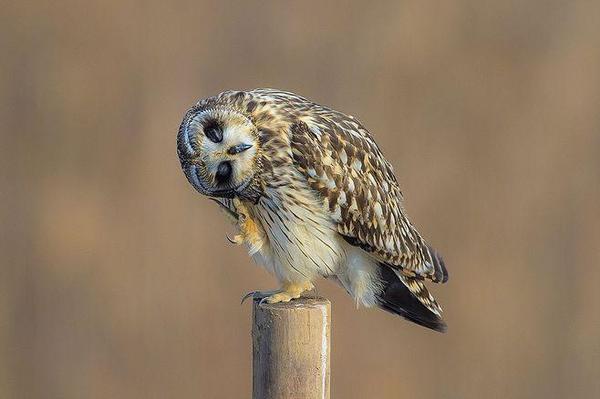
237,239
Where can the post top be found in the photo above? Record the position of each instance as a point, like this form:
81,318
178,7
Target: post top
300,303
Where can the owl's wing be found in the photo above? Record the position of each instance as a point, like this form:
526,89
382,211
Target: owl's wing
344,165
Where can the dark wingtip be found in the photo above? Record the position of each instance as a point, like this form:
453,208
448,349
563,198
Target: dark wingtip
397,299
435,323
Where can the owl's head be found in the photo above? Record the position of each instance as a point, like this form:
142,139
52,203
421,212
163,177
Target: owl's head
219,150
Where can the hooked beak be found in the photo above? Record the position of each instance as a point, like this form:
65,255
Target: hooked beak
236,149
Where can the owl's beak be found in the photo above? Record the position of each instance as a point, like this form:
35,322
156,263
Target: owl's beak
236,149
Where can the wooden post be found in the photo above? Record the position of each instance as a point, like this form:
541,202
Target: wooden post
291,349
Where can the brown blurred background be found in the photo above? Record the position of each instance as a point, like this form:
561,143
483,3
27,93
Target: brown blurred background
116,280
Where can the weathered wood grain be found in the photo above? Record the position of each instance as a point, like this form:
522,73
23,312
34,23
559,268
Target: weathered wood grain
291,343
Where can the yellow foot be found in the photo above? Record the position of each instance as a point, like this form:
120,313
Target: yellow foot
282,297
288,292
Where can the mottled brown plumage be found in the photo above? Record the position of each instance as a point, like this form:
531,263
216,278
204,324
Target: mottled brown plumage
316,186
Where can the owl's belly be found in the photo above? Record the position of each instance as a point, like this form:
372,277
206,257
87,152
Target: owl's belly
300,244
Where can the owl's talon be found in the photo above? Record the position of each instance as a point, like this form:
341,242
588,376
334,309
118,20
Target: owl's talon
248,295
237,239
262,295
263,300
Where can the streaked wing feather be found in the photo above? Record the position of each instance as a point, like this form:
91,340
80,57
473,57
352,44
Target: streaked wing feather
345,166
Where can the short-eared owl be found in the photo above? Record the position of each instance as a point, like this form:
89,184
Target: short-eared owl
312,196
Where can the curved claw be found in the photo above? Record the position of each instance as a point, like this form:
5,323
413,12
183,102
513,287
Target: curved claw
262,295
248,295
263,300
237,239
230,239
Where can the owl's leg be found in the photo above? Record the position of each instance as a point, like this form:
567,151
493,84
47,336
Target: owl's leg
250,232
286,293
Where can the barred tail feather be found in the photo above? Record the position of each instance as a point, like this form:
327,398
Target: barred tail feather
408,297
440,273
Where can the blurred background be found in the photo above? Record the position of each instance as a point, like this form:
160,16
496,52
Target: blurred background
116,280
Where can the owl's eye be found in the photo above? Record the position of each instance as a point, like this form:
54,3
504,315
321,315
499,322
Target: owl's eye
223,172
213,131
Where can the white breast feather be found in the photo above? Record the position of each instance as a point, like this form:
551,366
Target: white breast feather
303,243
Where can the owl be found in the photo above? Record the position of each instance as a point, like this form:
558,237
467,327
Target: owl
312,195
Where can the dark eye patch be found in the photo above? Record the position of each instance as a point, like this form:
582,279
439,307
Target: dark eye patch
213,130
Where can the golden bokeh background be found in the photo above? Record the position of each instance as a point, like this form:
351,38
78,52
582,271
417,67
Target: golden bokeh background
116,280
